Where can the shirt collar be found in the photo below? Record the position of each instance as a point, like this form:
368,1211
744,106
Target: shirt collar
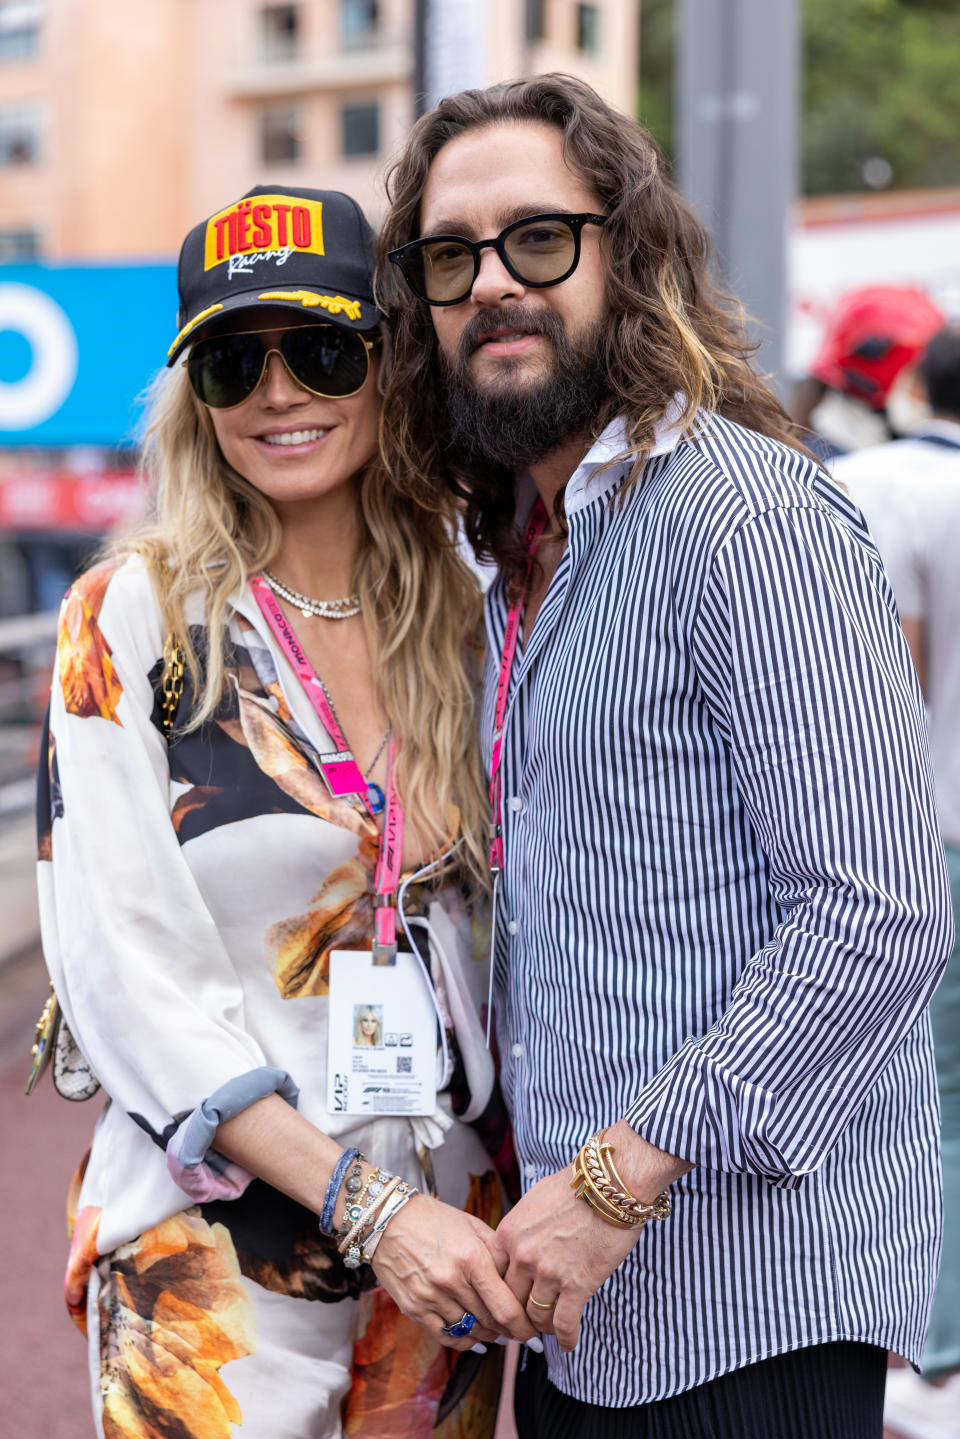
602,466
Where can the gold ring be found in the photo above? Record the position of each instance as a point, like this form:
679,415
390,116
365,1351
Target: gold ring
537,1305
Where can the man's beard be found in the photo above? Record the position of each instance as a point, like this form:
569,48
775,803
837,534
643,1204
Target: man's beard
513,425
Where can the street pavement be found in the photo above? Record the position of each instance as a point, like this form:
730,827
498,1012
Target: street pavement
43,1379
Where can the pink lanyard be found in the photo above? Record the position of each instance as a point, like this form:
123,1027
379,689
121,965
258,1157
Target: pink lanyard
345,779
535,528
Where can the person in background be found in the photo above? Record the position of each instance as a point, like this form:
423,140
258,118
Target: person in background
260,778
861,389
722,903
909,491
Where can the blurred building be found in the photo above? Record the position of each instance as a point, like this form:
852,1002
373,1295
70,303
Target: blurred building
121,122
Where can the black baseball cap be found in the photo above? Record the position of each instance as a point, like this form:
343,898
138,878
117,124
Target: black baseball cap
311,251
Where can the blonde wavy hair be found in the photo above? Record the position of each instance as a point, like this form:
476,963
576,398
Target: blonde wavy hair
209,529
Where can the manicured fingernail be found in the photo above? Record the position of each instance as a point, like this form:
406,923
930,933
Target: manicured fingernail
501,1339
478,1349
535,1344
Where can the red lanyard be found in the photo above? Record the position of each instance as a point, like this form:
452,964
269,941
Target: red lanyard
535,528
344,777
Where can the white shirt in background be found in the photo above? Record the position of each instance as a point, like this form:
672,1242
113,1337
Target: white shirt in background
909,492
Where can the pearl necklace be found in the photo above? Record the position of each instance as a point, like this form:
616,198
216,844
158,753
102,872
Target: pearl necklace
344,609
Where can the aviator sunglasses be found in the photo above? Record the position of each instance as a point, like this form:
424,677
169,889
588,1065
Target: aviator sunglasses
539,250
324,359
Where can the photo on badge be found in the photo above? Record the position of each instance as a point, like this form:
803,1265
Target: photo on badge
368,1026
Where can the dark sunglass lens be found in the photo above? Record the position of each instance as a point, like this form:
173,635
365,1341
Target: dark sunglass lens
443,270
541,250
226,369
328,360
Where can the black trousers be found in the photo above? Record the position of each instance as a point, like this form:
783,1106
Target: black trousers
830,1391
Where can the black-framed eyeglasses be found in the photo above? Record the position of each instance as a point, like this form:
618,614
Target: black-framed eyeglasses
539,250
324,359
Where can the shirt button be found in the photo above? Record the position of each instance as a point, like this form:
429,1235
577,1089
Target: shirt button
512,926
515,803
530,1170
516,1050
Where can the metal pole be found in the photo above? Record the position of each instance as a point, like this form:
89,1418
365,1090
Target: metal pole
420,21
737,69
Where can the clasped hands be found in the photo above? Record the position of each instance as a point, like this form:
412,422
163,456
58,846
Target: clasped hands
438,1263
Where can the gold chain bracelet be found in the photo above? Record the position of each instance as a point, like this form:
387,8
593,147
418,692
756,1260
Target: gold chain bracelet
597,1182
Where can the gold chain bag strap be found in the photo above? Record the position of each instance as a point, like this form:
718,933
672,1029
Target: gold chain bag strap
73,1077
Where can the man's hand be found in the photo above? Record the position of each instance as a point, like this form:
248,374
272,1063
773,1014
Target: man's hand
553,1246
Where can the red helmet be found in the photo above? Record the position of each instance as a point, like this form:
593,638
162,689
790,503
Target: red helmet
873,334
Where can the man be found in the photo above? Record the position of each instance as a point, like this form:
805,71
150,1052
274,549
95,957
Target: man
722,904
909,491
860,389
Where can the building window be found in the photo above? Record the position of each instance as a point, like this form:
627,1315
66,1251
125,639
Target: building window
280,131
19,135
358,23
361,129
19,29
588,29
534,21
279,32
19,245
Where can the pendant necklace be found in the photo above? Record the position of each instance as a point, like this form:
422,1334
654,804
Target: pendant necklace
344,609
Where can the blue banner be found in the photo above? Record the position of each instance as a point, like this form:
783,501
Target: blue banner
78,346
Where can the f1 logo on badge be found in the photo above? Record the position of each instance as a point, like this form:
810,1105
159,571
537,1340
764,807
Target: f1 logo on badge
339,1093
34,395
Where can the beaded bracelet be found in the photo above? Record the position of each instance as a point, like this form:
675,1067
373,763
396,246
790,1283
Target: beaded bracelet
350,1245
333,1188
361,1196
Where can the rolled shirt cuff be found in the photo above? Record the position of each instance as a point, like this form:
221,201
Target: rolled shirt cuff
197,1168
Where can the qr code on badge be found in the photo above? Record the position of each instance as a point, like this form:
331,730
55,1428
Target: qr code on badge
404,1063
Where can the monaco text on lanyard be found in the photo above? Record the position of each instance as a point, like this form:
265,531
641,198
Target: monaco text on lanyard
345,779
535,528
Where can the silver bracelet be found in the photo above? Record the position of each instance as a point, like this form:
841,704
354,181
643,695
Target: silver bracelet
369,1245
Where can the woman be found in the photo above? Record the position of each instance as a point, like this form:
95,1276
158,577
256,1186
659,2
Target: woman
261,738
366,1032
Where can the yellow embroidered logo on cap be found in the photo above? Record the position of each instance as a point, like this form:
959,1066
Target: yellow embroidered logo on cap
336,304
263,224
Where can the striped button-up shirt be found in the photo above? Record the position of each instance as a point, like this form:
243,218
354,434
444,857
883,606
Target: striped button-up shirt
724,908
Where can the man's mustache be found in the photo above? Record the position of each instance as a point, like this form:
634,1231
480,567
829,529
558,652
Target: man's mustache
488,322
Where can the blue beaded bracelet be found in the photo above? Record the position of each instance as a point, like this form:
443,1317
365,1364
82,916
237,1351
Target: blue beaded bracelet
333,1189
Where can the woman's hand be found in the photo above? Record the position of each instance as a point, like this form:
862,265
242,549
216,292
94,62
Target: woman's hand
436,1263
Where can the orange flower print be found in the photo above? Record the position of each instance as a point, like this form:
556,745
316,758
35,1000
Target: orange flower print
83,1256
264,732
400,1372
340,917
408,1386
87,675
173,1311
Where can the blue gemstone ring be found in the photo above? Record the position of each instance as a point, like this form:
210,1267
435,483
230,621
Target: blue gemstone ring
461,1327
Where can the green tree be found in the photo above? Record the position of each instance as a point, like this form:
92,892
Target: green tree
881,82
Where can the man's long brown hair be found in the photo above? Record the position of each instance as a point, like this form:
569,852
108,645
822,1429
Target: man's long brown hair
671,329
